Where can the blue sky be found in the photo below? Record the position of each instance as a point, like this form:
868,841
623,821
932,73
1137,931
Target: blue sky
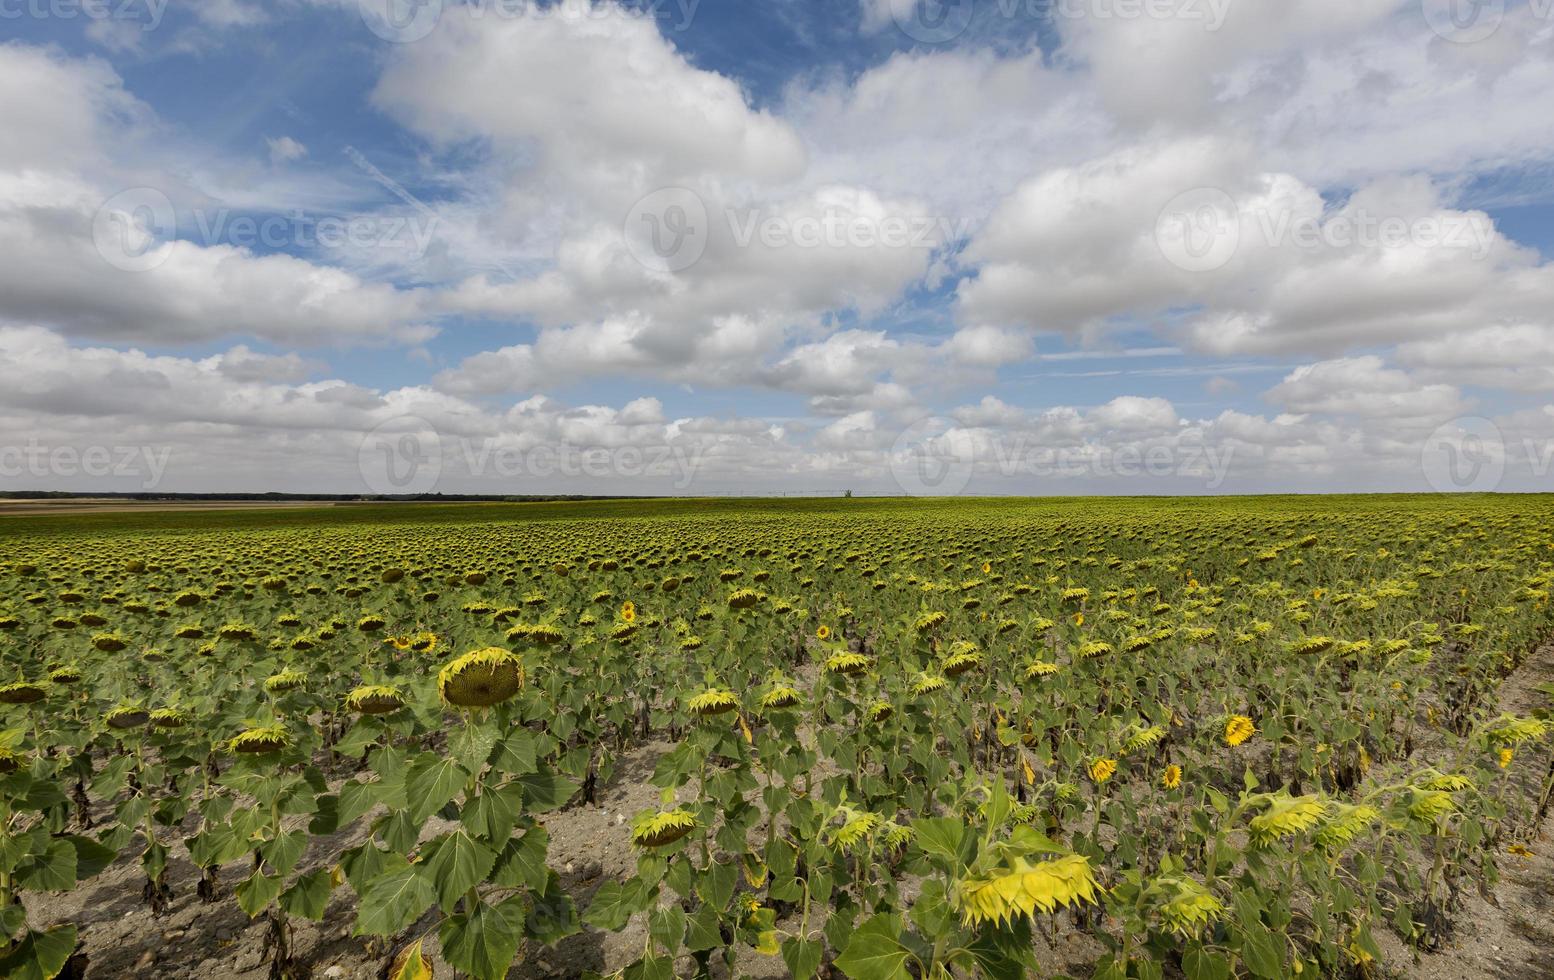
1312,236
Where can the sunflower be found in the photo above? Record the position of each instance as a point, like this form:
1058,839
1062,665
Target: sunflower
168,718
286,680
713,701
21,692
656,829
480,678
628,612
1285,816
823,633
847,664
1024,888
1040,668
1505,757
1102,769
374,699
1171,778
780,696
260,741
1238,728
126,717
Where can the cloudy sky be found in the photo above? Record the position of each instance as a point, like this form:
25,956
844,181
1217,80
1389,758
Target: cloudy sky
987,246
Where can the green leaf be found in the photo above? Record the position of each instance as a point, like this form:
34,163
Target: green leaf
492,814
614,904
666,926
703,932
802,957
257,891
308,895
522,862
484,942
516,754
941,838
455,864
393,900
40,955
651,968
1261,951
54,870
284,851
472,745
1201,964
432,783
545,791
875,951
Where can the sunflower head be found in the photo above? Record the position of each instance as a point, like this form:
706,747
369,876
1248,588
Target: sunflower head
1343,823
1285,816
64,675
1022,887
657,828
1184,905
823,632
780,696
127,716
1102,769
21,692
1238,728
1171,778
374,699
260,741
881,710
168,718
712,701
481,678
286,680
928,683
847,664
1040,668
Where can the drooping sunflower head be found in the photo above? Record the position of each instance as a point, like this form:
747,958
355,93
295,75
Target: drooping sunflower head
927,683
265,740
1238,728
1040,668
847,664
1023,888
374,699
930,621
1343,823
21,692
1184,905
1093,649
1143,738
712,701
370,624
285,681
168,718
855,826
1102,769
127,716
65,675
743,598
657,828
109,642
1311,645
481,678
963,657
881,710
1285,816
780,696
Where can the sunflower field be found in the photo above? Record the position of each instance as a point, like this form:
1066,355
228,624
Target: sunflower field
872,739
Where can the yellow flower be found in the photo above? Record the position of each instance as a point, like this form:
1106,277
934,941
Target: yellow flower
1505,757
1102,769
1079,619
1172,777
712,701
375,699
629,612
1026,888
260,741
1518,851
823,633
1238,728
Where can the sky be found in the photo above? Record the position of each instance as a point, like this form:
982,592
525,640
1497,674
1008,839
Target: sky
795,246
